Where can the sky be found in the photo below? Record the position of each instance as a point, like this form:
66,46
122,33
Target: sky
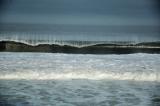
80,12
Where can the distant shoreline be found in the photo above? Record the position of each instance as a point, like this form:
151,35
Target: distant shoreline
147,47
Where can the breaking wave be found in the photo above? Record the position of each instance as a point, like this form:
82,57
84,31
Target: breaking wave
80,39
139,76
138,67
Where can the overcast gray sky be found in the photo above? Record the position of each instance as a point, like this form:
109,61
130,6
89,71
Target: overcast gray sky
80,12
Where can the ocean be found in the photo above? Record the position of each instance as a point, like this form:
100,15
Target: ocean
58,79
79,53
78,35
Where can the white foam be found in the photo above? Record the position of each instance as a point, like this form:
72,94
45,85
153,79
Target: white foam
41,66
89,76
107,79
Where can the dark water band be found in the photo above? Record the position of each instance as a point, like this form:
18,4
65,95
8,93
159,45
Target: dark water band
152,47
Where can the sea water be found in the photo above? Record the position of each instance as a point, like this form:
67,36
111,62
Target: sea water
48,79
79,36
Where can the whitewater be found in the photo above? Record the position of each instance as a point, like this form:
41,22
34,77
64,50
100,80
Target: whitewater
57,79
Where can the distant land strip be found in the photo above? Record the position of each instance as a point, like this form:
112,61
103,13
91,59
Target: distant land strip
147,47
